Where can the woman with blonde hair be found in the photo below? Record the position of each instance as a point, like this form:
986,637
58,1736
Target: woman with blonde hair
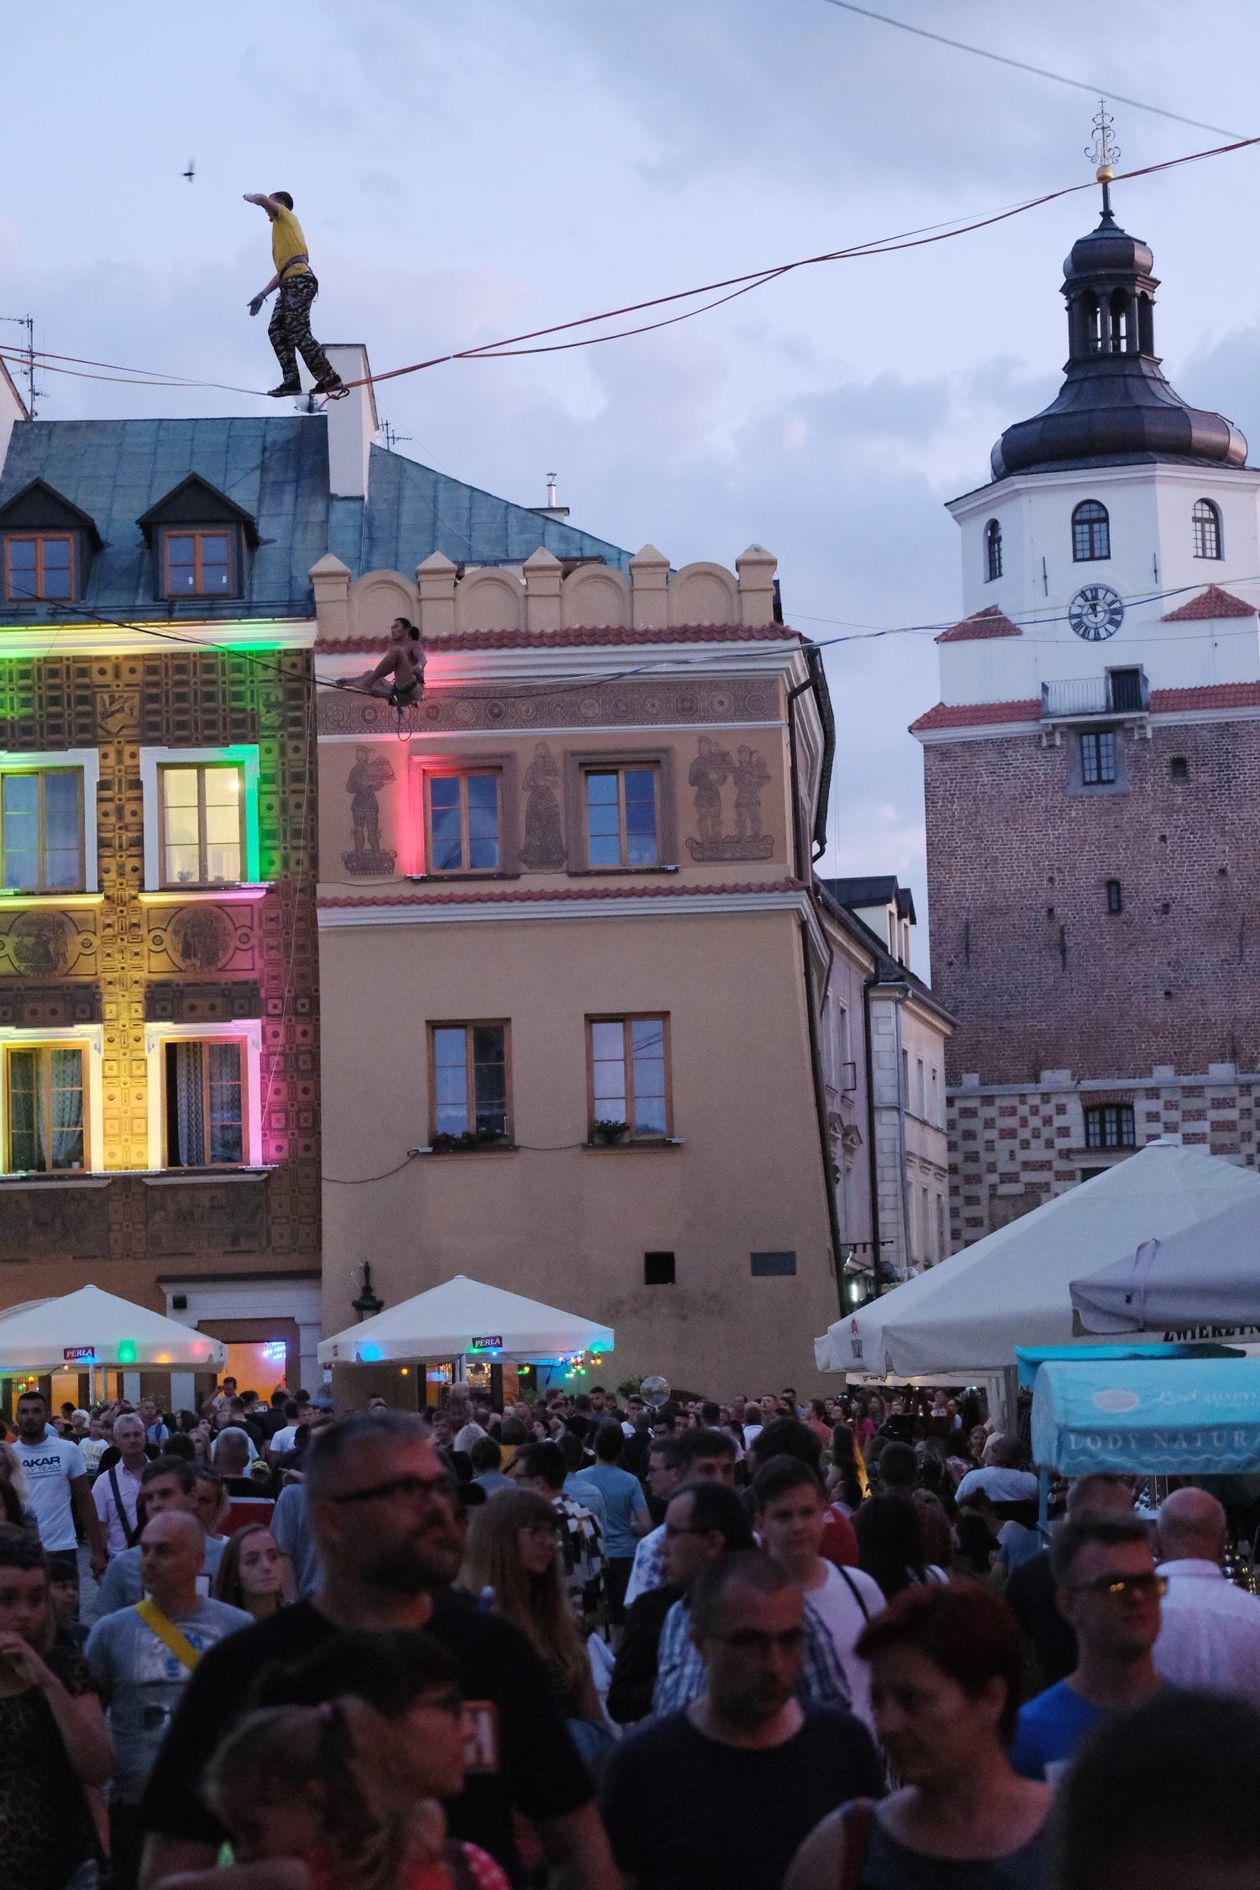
513,1561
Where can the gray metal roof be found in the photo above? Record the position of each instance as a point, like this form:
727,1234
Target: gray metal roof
276,468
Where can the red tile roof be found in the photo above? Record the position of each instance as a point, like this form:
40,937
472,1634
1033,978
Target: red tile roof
422,896
1213,602
570,639
1229,695
976,714
990,622
1240,695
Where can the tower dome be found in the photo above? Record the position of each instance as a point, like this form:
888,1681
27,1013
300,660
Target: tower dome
1115,406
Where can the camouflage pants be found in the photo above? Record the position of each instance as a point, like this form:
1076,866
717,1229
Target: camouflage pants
289,330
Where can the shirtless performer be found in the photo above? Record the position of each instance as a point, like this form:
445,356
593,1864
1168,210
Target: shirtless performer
404,662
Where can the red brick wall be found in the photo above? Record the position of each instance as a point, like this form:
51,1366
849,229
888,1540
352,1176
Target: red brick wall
1024,951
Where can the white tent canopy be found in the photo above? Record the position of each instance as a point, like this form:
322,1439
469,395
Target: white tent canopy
464,1316
1203,1282
90,1327
962,1319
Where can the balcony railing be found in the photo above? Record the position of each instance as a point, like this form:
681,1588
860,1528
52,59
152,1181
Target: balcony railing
1115,692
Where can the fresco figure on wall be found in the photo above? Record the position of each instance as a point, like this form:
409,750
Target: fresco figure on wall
750,775
543,847
370,773
707,775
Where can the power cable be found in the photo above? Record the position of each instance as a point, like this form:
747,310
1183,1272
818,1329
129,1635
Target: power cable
1022,65
738,285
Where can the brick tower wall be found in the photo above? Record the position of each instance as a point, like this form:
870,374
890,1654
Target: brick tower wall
1024,951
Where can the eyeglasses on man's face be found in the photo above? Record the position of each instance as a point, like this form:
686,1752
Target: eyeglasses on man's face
407,1489
1122,1587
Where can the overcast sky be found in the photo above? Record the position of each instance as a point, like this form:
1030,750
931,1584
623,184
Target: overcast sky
467,168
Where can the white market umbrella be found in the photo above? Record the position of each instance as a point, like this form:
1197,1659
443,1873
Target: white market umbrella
962,1319
1201,1283
463,1316
90,1327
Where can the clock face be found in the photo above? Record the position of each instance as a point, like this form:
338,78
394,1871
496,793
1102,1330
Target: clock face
1096,612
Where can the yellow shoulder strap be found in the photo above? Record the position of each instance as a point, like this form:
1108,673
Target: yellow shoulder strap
167,1633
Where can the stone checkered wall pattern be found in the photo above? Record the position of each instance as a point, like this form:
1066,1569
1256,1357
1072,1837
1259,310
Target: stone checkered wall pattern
117,705
1013,1148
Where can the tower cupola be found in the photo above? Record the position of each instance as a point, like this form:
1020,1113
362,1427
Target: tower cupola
1115,406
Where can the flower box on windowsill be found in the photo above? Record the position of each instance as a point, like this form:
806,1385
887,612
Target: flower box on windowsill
653,1143
471,1142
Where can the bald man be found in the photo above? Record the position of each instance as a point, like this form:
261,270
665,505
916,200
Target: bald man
1209,1635
145,1660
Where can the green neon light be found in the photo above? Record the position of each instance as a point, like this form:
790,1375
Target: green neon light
244,755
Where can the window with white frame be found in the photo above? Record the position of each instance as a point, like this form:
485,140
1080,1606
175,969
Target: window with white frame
50,1101
200,816
205,1106
48,821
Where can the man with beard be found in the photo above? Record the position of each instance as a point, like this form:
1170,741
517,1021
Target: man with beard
390,1541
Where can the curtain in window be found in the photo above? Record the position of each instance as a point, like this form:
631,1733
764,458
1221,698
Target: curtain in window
226,1125
190,1113
25,1119
66,1113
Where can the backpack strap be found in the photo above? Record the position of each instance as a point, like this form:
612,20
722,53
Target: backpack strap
170,1636
854,1590
857,1821
130,1531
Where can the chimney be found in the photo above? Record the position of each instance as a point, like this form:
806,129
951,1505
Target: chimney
352,423
551,509
12,409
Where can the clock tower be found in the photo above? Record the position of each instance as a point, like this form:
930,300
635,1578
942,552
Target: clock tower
1092,770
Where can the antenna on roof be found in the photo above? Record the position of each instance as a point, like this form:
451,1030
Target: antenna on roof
28,353
392,438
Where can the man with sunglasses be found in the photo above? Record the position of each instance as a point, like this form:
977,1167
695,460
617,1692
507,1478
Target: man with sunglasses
389,1530
725,1791
1109,1589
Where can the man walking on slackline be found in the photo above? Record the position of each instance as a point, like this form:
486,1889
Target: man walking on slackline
290,328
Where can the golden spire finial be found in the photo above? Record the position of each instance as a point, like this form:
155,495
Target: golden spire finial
1104,151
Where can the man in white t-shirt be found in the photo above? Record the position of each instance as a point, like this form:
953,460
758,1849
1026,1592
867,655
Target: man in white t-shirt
791,1507
1000,1475
57,1479
116,1490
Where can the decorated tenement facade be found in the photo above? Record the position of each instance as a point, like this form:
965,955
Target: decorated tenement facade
571,963
1092,773
159,1047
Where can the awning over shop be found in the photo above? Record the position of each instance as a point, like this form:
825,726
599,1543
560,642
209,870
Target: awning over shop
91,1327
465,1318
961,1320
1180,1417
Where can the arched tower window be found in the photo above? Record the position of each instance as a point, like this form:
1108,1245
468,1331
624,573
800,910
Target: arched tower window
1091,532
1206,519
993,551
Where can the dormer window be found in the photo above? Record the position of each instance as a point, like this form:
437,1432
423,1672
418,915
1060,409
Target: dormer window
200,540
199,563
38,567
1091,532
46,545
1206,519
992,551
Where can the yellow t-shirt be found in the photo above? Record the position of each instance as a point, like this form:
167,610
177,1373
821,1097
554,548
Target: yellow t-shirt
287,240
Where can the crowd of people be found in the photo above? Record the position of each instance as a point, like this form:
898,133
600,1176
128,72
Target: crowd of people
589,1642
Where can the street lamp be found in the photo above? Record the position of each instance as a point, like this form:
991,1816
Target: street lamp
368,1303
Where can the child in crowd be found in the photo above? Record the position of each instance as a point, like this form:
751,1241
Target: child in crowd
349,1788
